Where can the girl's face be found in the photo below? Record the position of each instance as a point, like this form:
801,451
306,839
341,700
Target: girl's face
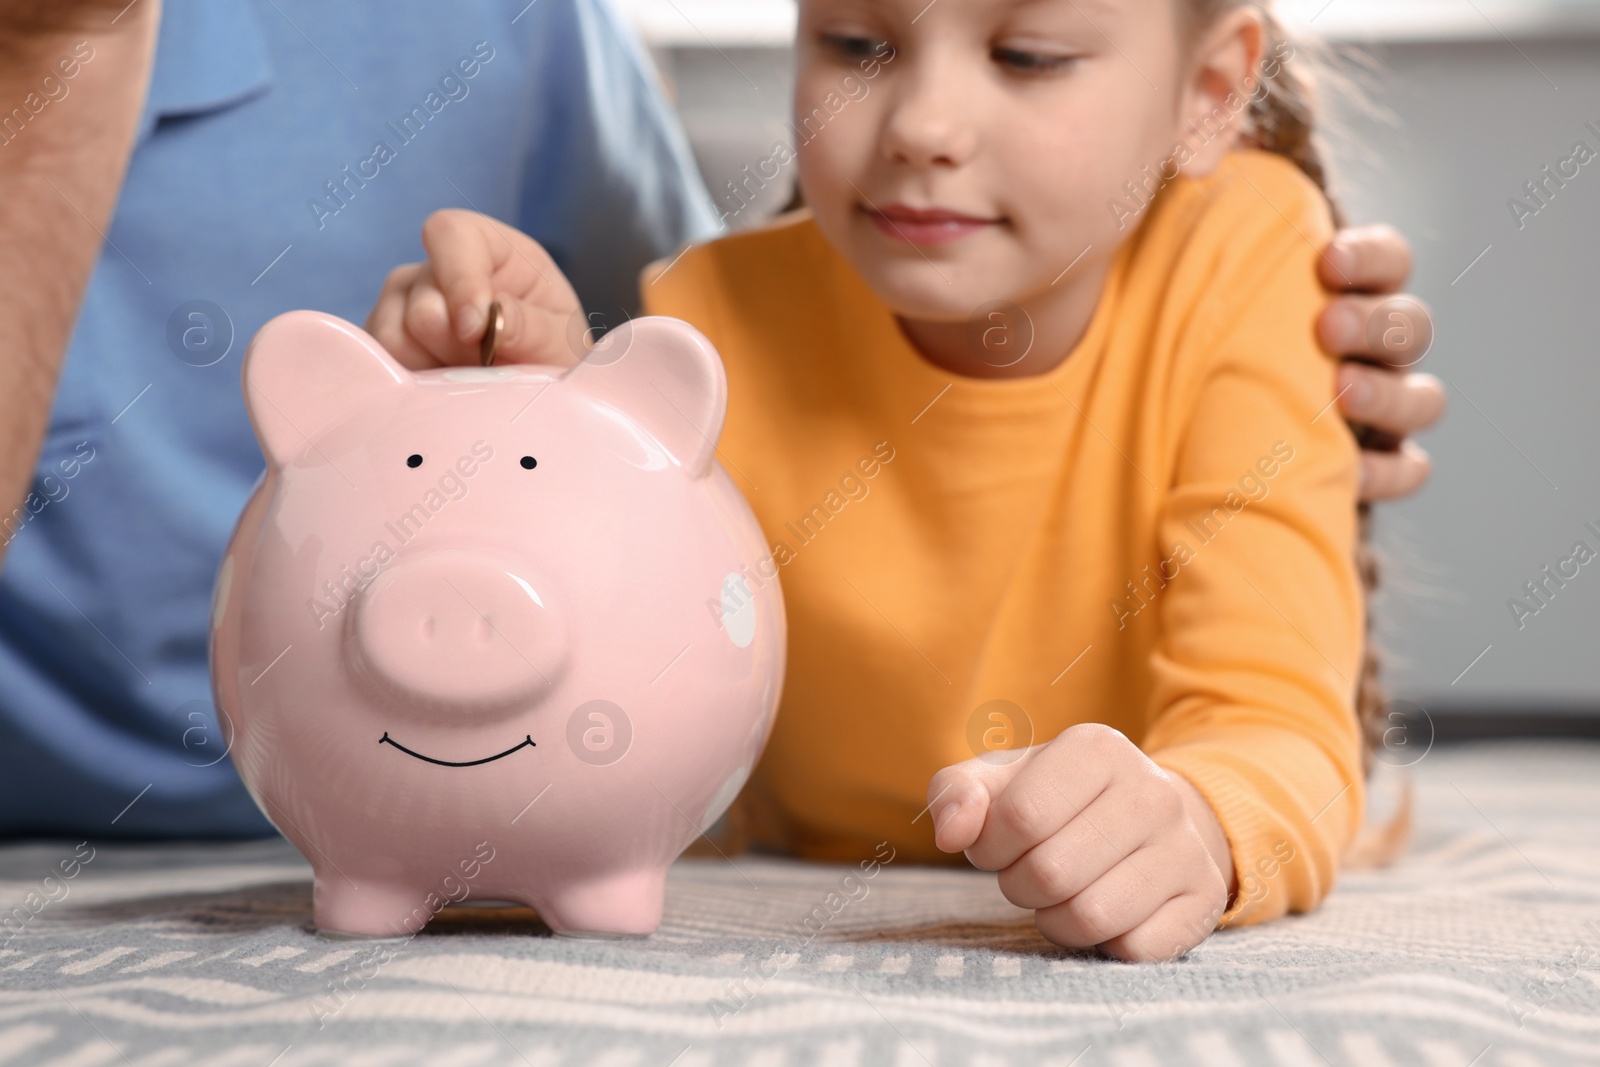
965,151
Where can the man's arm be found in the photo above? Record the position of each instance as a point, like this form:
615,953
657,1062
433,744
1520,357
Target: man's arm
61,170
614,185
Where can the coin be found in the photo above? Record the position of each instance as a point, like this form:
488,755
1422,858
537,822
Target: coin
491,334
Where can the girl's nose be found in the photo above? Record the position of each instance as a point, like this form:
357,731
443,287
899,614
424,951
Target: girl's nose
931,123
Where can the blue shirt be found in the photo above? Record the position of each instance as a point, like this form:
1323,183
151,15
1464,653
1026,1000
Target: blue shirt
289,153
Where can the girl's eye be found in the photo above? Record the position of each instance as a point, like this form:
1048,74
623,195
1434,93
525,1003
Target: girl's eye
414,460
1024,62
528,463
851,45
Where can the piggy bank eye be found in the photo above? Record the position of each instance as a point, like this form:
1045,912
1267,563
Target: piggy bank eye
414,460
528,463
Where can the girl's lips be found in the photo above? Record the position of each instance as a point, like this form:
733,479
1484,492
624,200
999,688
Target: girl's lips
925,226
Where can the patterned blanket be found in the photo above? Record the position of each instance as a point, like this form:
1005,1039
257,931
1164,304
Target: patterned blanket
1480,948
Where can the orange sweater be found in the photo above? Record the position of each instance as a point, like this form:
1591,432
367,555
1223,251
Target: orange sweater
1157,534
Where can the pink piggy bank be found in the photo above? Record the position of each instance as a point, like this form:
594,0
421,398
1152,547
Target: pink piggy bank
509,633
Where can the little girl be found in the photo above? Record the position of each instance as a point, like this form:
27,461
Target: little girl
1030,407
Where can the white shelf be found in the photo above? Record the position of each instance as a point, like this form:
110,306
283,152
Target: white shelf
770,23
712,23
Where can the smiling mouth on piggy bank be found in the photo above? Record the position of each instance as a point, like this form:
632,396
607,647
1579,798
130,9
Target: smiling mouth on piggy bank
526,742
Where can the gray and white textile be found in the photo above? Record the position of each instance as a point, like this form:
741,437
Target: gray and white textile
1481,947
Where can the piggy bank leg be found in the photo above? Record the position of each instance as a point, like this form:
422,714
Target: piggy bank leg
366,908
627,904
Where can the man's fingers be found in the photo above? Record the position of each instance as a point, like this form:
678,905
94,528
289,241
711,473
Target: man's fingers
1393,330
1365,259
1390,475
1399,404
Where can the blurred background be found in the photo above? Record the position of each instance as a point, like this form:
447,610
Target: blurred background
1460,104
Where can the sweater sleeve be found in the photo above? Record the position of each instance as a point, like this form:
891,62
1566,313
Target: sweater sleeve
1262,615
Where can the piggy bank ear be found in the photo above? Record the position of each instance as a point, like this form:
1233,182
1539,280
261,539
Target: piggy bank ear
665,375
305,371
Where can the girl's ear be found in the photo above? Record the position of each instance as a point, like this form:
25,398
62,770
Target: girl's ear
1224,72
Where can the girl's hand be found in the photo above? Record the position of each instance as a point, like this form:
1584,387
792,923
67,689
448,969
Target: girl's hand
433,314
1106,847
1382,334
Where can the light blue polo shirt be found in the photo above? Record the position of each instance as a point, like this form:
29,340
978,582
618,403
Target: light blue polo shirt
288,156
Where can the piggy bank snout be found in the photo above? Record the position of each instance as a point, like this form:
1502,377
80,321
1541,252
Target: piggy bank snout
458,630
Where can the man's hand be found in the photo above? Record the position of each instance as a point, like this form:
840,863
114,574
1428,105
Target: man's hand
1106,847
433,314
1382,336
